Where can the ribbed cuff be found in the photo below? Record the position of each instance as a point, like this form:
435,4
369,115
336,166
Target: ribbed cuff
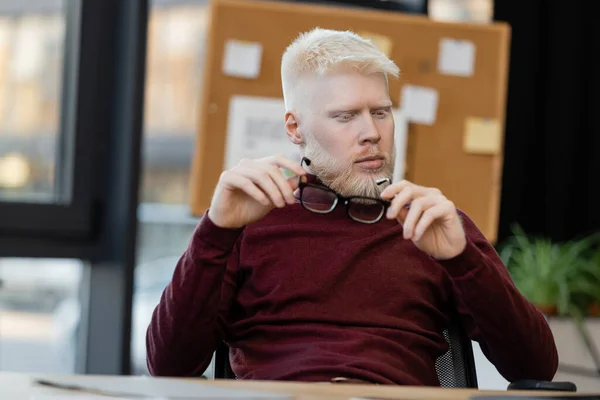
466,262
215,236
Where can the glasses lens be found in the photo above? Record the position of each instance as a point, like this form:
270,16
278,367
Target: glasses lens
365,210
318,199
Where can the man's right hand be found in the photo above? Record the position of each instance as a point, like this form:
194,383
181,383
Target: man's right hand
247,192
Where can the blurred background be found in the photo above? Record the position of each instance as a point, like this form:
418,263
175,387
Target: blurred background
53,297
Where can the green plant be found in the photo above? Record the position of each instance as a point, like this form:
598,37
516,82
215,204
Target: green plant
562,275
593,302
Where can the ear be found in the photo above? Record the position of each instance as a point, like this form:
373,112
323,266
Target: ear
291,128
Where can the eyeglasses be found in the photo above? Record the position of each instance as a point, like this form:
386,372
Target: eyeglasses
322,200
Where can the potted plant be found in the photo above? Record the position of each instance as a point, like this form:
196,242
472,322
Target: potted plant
558,278
594,306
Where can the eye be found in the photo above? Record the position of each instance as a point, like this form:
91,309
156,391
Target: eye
344,117
381,113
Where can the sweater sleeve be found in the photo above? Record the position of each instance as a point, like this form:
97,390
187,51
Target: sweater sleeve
511,332
189,322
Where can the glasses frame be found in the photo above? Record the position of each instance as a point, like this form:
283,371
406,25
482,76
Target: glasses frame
339,198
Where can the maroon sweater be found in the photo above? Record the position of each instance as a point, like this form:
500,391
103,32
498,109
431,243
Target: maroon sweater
306,296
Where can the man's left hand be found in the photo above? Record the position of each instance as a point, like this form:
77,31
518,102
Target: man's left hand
428,218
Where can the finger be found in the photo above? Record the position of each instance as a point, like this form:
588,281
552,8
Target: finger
264,180
419,191
283,162
429,217
417,209
244,184
282,183
395,188
399,202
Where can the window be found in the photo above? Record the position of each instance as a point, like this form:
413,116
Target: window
175,62
174,72
40,314
32,43
71,97
46,118
479,11
71,102
164,232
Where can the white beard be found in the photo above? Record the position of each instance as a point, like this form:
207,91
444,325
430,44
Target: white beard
339,175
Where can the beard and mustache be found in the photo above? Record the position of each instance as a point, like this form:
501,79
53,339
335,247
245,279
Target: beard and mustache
340,176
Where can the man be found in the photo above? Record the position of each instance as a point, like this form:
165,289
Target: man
306,281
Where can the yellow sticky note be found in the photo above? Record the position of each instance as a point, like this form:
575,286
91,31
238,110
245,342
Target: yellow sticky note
482,136
383,43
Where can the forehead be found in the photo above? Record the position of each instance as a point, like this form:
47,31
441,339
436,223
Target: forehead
349,88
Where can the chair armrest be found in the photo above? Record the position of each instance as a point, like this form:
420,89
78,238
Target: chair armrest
532,384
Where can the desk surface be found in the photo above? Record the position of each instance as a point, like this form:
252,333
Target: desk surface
23,386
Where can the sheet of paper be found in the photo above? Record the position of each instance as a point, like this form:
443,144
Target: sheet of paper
482,136
400,141
255,128
159,388
242,59
419,104
456,57
382,42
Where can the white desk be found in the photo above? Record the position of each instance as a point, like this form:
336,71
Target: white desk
22,386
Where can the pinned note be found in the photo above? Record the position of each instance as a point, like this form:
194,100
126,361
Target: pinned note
242,59
456,57
419,104
482,136
255,128
383,43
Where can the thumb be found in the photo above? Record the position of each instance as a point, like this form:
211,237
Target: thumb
293,181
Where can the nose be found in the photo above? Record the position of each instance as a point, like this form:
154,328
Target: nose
369,133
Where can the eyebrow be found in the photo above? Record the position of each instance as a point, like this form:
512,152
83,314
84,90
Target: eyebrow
341,110
387,106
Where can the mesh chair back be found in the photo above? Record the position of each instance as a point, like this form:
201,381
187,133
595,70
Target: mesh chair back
222,365
455,369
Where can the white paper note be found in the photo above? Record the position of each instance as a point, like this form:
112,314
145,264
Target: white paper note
419,104
242,59
256,128
400,138
456,57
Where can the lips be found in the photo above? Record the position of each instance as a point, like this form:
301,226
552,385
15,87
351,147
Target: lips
374,162
372,158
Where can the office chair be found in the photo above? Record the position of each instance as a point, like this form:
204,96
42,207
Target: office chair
455,369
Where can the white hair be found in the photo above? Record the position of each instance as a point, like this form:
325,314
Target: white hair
321,51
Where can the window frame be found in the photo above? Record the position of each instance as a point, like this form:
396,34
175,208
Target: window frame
99,226
70,213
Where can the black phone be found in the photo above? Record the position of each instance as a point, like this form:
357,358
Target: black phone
527,384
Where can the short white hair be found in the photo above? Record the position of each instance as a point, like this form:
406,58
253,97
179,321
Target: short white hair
320,51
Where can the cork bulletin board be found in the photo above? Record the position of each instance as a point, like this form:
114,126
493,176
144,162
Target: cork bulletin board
453,85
